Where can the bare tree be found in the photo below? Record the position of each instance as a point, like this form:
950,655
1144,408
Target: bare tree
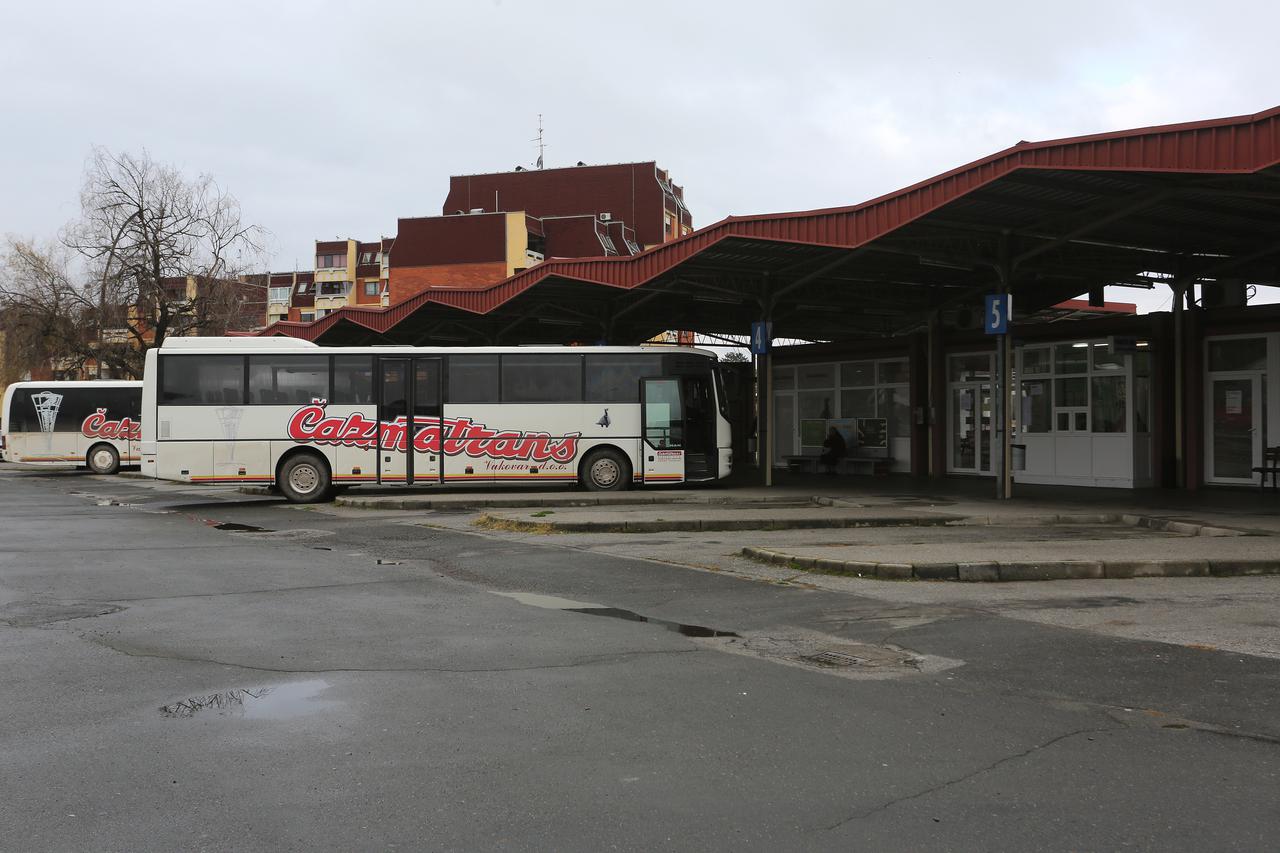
42,310
163,253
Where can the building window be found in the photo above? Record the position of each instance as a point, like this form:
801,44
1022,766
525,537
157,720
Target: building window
306,316
302,287
278,294
334,288
371,288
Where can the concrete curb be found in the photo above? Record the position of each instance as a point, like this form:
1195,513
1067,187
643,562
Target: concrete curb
1040,570
661,525
572,499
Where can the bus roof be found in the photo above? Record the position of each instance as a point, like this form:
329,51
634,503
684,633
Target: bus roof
79,383
243,346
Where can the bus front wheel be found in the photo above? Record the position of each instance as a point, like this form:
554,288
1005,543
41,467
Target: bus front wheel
102,459
304,479
605,470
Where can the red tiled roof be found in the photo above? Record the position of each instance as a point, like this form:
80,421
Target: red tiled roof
1236,145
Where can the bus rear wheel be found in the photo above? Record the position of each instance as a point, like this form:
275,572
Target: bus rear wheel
304,479
102,459
605,470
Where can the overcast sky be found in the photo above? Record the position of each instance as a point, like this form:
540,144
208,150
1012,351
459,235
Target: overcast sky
332,119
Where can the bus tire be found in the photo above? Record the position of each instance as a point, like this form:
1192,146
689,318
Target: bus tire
304,479
605,470
102,459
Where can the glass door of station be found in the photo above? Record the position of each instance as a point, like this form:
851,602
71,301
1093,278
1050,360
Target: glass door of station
1236,406
969,414
1235,428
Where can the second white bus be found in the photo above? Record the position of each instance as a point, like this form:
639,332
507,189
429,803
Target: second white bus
95,424
311,419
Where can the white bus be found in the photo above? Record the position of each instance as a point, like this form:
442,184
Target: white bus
96,424
311,419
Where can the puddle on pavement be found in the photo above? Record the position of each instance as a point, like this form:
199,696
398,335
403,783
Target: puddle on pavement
278,702
551,602
237,527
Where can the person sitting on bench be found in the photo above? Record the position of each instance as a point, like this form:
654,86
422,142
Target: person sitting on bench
833,450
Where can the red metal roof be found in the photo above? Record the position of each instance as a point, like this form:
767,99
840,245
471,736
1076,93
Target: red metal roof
1235,145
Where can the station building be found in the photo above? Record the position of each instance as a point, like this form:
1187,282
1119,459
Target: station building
1097,395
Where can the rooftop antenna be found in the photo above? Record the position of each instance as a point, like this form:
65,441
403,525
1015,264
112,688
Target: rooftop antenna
542,147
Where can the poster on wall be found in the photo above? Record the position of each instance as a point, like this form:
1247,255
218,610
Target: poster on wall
873,433
1234,401
848,431
813,431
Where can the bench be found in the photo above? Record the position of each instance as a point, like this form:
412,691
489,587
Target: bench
877,466
1270,465
807,462
810,463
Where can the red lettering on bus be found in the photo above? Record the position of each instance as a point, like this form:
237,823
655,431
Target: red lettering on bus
97,426
451,437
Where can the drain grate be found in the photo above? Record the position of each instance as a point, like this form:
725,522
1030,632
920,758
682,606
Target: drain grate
829,658
859,655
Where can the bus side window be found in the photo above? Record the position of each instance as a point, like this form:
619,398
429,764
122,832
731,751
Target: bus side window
202,380
473,379
288,379
615,377
541,378
353,379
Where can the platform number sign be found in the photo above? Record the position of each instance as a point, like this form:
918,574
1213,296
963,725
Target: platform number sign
761,337
995,319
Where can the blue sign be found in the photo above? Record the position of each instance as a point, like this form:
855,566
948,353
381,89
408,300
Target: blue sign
995,319
761,337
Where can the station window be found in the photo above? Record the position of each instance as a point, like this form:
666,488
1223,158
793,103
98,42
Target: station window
1036,362
816,376
1071,358
970,368
542,378
858,374
276,380
1238,354
616,378
1109,404
202,380
473,379
1037,406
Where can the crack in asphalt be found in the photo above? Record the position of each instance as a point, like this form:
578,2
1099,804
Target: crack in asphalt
941,786
584,661
278,589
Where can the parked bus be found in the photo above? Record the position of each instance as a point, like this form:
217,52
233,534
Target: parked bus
311,419
95,424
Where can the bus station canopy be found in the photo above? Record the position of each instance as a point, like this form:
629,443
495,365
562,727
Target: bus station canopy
1048,221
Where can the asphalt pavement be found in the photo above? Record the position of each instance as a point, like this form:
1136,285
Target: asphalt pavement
192,669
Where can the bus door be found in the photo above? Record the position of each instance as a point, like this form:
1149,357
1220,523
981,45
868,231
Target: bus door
425,460
701,452
408,402
664,430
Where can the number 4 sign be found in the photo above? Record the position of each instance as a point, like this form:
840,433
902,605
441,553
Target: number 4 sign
995,320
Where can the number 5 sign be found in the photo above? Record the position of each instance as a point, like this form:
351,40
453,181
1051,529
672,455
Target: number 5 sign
995,320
